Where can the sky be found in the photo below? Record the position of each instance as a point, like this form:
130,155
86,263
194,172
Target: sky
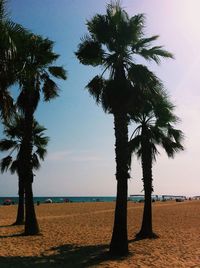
81,160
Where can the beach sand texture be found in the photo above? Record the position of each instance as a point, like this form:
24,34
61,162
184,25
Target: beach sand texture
78,235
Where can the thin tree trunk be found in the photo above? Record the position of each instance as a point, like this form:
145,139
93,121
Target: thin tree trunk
31,224
146,228
119,241
20,210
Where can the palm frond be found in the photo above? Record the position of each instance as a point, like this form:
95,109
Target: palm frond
96,27
137,24
40,141
171,147
95,88
143,43
155,53
154,151
121,31
3,10
6,103
134,144
14,167
37,128
58,72
90,52
41,152
156,120
14,129
6,145
21,100
164,110
35,162
5,163
176,134
50,89
144,79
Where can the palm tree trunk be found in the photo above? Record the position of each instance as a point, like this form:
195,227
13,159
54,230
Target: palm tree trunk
31,224
20,210
146,228
119,241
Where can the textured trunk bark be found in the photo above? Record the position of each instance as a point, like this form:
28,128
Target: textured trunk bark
119,241
31,224
20,210
146,228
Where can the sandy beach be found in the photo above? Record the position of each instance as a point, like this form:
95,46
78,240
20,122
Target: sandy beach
78,235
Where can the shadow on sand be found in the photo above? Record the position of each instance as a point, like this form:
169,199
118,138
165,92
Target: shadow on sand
65,256
4,226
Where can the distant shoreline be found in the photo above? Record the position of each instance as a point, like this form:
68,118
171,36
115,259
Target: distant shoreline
8,200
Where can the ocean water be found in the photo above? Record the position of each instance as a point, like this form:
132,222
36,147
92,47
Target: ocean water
74,199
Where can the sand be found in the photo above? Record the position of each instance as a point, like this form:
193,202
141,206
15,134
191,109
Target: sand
78,235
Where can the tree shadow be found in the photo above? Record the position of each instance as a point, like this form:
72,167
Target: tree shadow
64,256
4,226
11,235
139,238
19,234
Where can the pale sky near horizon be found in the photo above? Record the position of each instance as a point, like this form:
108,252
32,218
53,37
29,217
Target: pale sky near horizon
81,160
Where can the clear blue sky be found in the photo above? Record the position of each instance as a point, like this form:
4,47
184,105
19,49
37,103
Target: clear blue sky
80,157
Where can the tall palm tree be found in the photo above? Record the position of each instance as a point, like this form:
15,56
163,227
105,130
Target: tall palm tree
10,35
35,79
155,127
113,41
14,132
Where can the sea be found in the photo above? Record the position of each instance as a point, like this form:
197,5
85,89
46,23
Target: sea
73,199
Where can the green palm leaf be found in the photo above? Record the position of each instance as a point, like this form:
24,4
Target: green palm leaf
175,133
95,88
15,131
135,143
5,163
35,162
155,53
96,28
58,72
143,43
90,52
50,89
144,79
6,145
6,104
14,167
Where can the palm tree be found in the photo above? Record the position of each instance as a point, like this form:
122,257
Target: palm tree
10,35
154,128
14,132
35,78
113,41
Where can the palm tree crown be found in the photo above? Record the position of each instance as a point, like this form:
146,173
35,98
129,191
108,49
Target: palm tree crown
10,40
14,132
113,42
36,60
155,126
